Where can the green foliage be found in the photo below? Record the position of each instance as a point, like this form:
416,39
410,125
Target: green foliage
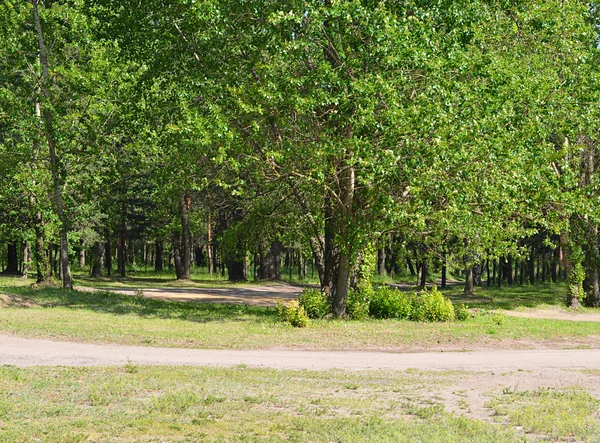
461,312
357,306
391,303
314,303
293,314
432,306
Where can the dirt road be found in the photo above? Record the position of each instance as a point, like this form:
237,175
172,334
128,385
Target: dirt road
251,295
33,352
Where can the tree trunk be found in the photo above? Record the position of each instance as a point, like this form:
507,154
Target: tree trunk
81,257
532,266
347,180
424,273
121,262
469,282
131,251
509,270
26,261
411,267
209,246
182,250
381,261
98,252
12,262
269,266
444,271
500,269
477,270
158,257
54,161
108,256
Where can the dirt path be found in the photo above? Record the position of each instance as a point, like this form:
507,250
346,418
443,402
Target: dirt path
555,314
250,295
33,352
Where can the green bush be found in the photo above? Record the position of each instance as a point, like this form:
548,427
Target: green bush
461,312
293,314
432,306
314,303
357,306
391,303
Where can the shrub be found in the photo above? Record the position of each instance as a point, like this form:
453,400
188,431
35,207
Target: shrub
461,312
314,303
432,306
357,306
293,314
390,303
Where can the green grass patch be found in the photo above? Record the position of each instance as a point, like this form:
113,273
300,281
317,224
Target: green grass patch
183,404
104,317
554,414
511,297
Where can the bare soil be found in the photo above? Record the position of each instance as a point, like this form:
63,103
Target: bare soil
250,295
555,314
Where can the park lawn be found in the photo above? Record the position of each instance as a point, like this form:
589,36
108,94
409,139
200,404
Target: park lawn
188,404
104,317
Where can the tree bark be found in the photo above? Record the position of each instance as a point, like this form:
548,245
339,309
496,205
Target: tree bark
269,266
469,286
122,235
54,161
98,252
108,255
381,261
347,180
158,257
209,247
183,248
12,262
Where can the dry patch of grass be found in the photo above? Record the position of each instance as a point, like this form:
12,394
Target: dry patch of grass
179,404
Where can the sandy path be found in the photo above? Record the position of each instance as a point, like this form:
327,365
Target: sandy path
251,295
555,314
33,352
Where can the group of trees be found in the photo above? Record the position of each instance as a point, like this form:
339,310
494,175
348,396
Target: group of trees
358,135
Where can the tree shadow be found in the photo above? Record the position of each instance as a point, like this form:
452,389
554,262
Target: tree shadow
512,297
119,304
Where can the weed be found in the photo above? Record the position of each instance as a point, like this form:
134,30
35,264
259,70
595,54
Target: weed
131,368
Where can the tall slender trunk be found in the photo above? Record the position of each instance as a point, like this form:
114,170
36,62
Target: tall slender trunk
122,235
347,181
26,261
445,270
54,161
381,261
209,247
108,255
183,248
158,256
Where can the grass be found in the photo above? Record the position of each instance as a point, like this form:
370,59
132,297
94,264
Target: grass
183,404
512,297
553,414
104,317
199,278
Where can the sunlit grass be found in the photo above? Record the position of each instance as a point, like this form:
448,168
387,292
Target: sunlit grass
105,317
183,404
